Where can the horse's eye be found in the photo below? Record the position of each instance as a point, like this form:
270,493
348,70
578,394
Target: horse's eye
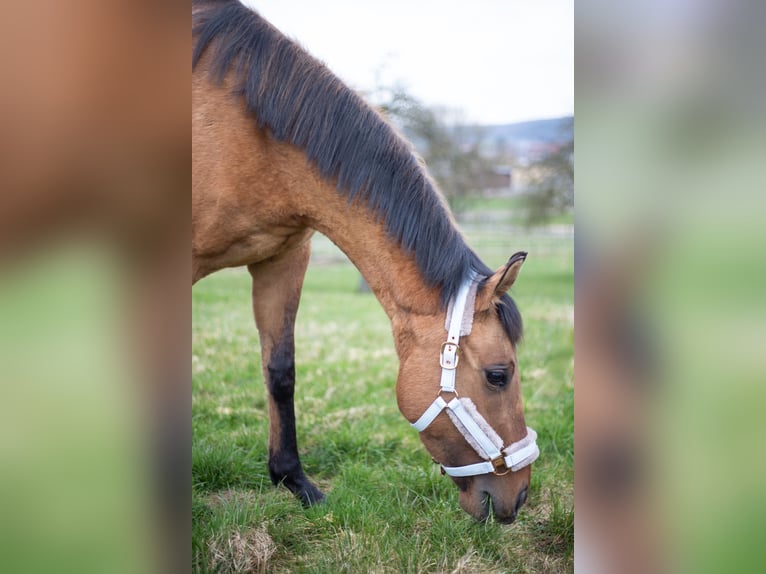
497,377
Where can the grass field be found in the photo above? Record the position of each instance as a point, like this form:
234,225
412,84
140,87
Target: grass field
388,508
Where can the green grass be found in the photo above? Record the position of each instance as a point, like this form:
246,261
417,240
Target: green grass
388,508
513,210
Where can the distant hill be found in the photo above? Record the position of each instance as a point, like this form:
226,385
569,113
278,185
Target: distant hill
554,130
526,140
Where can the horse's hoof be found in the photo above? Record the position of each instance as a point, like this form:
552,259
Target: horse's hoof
310,496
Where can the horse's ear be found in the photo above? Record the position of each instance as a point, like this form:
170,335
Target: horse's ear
500,282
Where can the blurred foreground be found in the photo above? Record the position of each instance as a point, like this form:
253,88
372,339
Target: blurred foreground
94,300
669,284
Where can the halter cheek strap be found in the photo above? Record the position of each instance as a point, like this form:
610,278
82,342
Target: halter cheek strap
463,413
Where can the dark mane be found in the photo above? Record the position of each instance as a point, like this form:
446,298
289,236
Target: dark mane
300,101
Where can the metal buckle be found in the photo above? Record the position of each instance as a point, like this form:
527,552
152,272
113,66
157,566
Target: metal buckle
453,392
445,364
500,468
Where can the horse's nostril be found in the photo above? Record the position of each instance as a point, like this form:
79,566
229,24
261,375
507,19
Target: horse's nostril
522,498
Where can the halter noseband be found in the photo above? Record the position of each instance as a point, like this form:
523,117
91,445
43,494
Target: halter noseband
477,432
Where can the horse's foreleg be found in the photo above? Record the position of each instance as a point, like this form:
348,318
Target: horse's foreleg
277,287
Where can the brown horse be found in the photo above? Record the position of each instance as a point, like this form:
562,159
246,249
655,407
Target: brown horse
281,148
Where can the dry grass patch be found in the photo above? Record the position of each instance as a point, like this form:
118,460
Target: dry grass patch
247,552
471,563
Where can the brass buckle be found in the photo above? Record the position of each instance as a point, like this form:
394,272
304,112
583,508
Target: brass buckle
448,366
500,468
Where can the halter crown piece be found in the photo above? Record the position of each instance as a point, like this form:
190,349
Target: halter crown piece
463,413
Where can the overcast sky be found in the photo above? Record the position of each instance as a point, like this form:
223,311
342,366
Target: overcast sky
499,61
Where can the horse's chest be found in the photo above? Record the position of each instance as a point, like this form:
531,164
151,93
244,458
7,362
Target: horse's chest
267,243
212,251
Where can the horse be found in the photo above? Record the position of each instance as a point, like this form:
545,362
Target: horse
282,148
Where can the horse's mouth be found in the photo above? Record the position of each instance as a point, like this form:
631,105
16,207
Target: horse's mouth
488,508
489,511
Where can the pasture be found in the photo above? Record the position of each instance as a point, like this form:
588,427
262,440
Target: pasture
388,508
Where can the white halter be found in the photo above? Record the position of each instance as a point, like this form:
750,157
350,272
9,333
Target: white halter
464,415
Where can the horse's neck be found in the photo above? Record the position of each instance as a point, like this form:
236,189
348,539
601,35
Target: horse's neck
390,272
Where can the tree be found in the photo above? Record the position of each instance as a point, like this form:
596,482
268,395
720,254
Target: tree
550,190
450,147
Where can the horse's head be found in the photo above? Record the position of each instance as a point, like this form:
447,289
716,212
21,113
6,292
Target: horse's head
464,395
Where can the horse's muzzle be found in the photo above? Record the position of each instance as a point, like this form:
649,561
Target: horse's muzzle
484,506
499,514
